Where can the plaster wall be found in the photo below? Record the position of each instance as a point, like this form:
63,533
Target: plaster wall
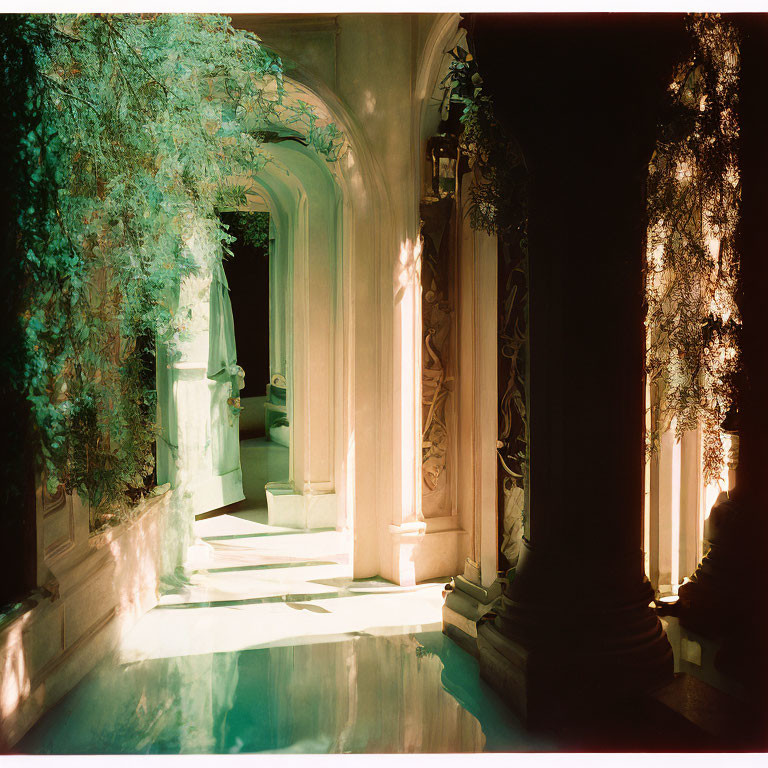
375,74
386,69
299,190
378,55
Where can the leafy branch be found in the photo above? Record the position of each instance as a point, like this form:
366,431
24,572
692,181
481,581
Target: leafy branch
692,266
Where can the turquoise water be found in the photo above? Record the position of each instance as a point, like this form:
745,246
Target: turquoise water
271,645
398,693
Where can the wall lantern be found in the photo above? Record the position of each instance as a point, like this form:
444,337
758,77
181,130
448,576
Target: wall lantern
441,156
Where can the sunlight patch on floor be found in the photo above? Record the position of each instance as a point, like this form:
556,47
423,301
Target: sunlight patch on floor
267,586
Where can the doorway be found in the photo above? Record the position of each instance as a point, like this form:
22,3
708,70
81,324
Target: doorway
259,311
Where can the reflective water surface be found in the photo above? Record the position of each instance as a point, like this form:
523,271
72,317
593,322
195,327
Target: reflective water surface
403,693
271,646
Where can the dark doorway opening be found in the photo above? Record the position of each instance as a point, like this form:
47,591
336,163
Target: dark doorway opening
247,272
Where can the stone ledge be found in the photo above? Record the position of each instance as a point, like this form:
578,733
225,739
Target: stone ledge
62,633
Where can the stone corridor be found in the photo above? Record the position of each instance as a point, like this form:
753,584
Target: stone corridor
272,646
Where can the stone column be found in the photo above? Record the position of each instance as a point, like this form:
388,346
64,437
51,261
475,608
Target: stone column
751,486
581,95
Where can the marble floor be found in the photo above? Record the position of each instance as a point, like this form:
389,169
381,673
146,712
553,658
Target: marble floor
272,646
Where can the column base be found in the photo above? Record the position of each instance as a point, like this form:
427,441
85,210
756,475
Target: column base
465,605
418,552
288,509
574,662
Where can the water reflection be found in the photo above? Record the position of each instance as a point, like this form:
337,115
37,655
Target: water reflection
405,693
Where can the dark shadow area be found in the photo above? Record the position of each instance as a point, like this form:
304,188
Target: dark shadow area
248,277
17,476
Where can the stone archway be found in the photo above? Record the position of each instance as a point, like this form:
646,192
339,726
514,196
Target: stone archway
325,217
304,199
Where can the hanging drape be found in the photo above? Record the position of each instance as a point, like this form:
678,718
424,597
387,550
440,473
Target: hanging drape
226,377
168,443
167,450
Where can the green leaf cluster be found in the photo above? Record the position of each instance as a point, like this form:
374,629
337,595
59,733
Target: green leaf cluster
499,194
136,129
251,227
692,272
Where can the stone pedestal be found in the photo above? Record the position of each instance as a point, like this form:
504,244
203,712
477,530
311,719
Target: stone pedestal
556,648
465,606
288,509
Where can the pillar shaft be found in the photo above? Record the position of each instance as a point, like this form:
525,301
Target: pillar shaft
751,243
581,95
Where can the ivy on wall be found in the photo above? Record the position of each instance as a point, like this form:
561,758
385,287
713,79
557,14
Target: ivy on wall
692,206
692,267
134,127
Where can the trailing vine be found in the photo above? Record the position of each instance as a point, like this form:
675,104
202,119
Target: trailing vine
692,265
499,205
252,227
499,198
134,128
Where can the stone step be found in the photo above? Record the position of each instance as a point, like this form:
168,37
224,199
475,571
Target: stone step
723,721
236,524
240,558
271,584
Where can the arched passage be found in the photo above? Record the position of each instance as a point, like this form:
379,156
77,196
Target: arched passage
304,199
326,255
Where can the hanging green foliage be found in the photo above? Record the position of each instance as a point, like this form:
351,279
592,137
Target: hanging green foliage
499,193
137,127
693,268
499,205
252,227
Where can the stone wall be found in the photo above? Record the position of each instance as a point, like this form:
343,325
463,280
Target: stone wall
96,590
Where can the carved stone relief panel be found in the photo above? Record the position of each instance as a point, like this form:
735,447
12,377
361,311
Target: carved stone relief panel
438,360
512,441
